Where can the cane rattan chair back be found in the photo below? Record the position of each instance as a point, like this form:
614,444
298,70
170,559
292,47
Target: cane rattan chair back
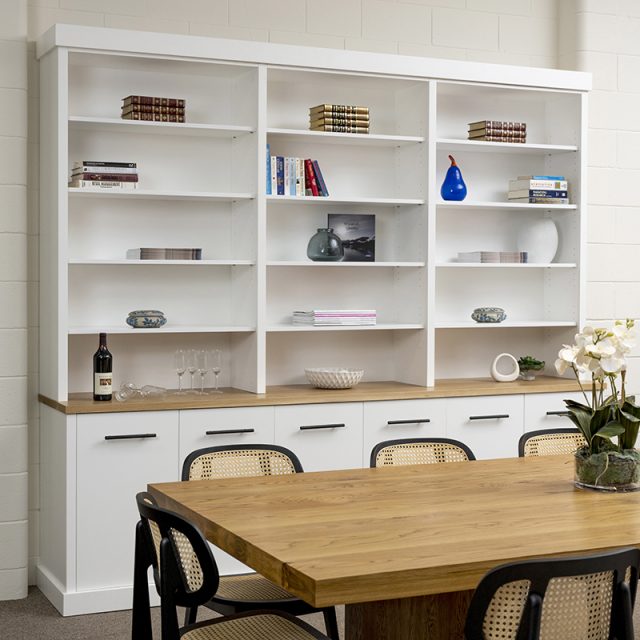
550,442
419,451
187,576
584,598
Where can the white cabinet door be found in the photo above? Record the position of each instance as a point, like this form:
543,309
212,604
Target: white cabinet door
394,419
490,425
323,436
546,410
215,427
118,454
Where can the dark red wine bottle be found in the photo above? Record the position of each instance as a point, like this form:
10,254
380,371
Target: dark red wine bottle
102,371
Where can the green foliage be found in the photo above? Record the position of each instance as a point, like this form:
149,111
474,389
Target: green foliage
529,363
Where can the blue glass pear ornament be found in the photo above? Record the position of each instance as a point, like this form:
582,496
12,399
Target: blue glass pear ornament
453,187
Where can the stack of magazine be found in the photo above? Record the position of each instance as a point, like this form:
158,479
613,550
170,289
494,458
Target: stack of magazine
539,190
164,253
335,317
493,256
103,174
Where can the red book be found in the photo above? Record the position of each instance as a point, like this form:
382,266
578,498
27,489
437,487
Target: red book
311,178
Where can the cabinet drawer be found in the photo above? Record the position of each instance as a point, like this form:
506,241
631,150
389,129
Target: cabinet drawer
391,420
117,456
489,425
323,436
214,427
544,410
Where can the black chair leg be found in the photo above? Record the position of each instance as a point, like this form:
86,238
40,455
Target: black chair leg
190,615
331,623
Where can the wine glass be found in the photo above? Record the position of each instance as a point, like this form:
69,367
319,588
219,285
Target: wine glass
203,360
215,362
180,365
192,366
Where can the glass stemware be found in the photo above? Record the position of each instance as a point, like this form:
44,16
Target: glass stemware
215,356
180,365
192,366
203,360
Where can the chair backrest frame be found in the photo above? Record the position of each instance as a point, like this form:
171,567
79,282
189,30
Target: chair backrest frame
389,443
540,572
525,437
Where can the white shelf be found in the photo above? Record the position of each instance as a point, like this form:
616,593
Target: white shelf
370,327
449,144
309,263
506,265
326,137
147,194
125,329
116,125
507,324
171,263
506,206
372,202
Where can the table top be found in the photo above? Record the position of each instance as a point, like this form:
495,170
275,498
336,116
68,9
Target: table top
374,534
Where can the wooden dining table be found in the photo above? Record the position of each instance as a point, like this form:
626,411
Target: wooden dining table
403,547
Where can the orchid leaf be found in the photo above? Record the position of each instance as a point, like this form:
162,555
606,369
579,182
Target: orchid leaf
610,430
581,417
630,419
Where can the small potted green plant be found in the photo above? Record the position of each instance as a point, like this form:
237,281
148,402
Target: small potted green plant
528,367
609,419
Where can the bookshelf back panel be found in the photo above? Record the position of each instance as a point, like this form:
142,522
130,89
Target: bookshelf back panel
213,92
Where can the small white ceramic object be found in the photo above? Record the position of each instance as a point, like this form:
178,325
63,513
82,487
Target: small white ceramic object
334,378
505,377
539,238
146,319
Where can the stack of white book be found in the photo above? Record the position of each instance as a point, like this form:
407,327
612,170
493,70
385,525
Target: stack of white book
493,256
335,317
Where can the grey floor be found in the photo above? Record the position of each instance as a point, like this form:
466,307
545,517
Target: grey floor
34,618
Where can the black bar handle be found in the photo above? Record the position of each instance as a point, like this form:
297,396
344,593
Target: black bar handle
418,421
558,413
131,436
219,432
337,425
491,417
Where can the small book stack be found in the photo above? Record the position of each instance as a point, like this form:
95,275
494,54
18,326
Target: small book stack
166,253
294,177
539,190
483,257
498,131
153,108
335,317
104,174
339,118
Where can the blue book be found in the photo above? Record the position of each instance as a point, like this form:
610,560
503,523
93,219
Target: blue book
292,176
280,175
322,187
268,169
540,177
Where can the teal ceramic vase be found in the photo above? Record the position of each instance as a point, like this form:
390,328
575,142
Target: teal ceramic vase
453,187
325,246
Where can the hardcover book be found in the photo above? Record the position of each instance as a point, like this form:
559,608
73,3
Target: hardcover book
109,177
358,235
516,185
152,108
152,117
538,193
498,124
154,100
339,109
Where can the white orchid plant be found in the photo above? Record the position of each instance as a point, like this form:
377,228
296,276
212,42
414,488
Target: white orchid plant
598,357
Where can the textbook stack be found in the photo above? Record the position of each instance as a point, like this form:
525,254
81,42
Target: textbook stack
498,131
485,257
339,118
152,108
335,317
539,190
167,253
288,176
104,174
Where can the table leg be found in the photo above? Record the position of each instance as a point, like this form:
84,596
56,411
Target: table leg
436,617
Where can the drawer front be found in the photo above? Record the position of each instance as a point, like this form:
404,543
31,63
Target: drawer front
395,419
323,436
543,410
201,428
113,466
491,425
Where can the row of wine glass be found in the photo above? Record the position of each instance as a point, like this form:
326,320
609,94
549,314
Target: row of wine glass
200,361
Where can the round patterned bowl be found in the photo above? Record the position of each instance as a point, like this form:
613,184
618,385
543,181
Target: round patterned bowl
146,319
334,378
488,314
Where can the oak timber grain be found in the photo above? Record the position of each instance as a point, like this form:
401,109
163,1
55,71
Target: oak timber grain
305,394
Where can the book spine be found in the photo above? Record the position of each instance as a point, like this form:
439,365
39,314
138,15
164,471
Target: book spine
268,181
95,163
516,139
102,169
153,117
340,129
101,184
152,108
108,177
311,180
274,175
540,177
154,100
324,118
339,108
541,193
322,187
299,178
498,124
517,185
287,176
537,200
476,133
292,177
280,175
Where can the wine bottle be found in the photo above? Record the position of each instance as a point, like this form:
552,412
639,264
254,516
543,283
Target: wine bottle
102,371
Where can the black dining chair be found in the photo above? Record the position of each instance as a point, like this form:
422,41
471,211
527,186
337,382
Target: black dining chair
419,451
579,598
247,591
186,575
550,442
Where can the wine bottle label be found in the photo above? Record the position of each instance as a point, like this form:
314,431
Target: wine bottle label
102,384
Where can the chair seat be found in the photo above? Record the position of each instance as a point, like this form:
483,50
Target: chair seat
250,586
250,627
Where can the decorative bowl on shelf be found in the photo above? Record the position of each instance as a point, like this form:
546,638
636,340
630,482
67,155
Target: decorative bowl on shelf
336,378
488,314
146,319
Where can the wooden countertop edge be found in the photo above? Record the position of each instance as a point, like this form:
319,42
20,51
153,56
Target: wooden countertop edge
305,394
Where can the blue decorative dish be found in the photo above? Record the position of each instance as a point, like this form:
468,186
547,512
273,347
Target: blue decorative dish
488,314
146,319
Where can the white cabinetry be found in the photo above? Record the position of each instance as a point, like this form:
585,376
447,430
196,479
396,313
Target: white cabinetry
547,410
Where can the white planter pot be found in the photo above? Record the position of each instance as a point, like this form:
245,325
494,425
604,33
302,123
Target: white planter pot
539,238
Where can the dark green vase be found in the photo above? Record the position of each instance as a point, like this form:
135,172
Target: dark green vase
325,246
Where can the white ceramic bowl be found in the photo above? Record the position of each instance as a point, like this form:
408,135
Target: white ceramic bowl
334,378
